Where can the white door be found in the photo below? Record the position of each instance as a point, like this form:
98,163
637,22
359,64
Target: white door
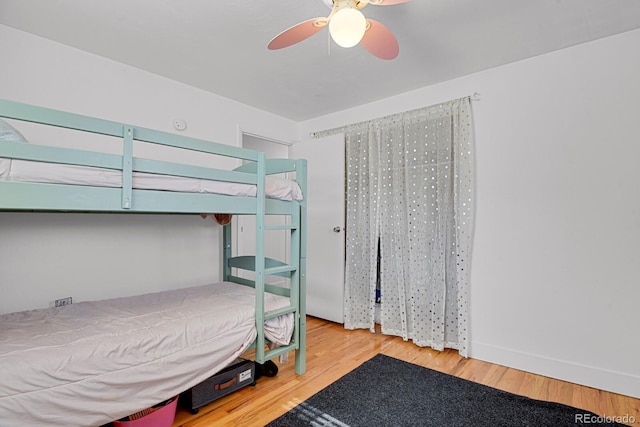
325,230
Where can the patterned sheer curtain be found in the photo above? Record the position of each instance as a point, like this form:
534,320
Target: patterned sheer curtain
410,191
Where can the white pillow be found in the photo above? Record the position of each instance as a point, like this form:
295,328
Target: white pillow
8,133
283,189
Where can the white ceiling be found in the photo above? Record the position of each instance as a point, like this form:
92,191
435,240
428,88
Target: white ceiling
220,46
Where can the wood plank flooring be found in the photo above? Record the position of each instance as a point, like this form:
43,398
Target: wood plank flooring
333,351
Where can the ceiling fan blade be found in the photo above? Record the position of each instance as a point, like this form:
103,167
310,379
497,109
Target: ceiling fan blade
379,41
297,33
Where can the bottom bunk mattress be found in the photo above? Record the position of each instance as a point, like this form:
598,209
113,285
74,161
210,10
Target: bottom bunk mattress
89,363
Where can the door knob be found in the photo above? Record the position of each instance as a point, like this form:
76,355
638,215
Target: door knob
336,229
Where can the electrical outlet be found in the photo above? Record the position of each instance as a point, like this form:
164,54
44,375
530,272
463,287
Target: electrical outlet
63,301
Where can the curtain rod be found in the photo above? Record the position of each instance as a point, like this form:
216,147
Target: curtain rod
319,134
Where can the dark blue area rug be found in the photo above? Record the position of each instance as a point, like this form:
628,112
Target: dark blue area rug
389,392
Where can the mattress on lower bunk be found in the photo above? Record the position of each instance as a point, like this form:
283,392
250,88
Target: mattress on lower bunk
55,173
92,362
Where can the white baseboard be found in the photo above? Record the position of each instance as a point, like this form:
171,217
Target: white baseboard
603,379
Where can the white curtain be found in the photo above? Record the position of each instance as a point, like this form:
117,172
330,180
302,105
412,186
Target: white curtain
410,190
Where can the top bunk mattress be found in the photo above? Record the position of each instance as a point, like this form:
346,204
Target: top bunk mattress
55,173
60,173
92,362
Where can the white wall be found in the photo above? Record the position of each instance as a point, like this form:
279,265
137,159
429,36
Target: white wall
555,285
45,256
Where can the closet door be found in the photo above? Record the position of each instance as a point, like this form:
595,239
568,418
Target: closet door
325,219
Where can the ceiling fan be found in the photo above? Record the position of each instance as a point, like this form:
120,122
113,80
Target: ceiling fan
347,26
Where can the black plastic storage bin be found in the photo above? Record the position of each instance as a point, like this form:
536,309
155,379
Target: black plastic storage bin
238,374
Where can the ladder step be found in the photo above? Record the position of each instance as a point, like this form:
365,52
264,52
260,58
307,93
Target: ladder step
281,227
279,312
280,269
279,350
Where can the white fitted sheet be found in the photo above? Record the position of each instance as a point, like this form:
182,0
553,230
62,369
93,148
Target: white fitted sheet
55,173
89,363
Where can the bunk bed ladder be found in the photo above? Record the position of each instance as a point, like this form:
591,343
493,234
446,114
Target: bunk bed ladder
295,271
292,271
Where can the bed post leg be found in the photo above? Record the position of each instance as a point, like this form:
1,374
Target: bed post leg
226,252
259,257
301,353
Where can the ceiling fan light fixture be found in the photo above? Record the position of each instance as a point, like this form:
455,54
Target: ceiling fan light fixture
347,27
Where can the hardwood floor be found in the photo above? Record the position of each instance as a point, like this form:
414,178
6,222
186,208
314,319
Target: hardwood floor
333,351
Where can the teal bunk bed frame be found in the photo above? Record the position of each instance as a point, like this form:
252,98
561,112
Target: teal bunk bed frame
30,196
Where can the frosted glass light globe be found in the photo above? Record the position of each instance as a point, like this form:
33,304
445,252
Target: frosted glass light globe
347,27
